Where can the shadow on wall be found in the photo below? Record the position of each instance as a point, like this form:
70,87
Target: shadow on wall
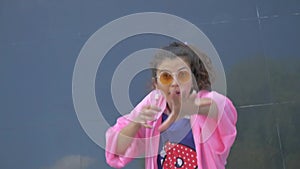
260,81
267,95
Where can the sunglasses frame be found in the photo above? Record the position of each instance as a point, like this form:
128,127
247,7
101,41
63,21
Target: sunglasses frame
174,76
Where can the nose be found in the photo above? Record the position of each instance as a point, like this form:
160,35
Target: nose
174,83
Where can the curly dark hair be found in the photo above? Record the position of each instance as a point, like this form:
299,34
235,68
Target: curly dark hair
199,63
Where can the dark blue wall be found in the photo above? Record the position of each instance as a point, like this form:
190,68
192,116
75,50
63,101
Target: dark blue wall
258,43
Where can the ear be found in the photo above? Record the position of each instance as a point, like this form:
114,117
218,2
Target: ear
154,83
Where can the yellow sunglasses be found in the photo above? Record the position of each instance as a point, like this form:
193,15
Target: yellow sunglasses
166,77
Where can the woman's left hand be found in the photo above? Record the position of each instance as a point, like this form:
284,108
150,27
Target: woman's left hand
189,105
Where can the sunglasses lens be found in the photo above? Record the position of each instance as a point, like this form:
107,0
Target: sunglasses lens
165,78
183,76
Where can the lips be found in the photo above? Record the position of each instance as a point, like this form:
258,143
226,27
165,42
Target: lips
177,92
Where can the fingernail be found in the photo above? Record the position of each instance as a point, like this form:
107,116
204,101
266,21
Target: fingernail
194,92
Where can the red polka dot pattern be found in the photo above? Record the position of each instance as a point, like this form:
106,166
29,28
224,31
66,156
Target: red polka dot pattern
179,156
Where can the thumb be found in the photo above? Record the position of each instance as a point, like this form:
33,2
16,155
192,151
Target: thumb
171,118
166,124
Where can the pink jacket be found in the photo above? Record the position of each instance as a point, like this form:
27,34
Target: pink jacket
213,138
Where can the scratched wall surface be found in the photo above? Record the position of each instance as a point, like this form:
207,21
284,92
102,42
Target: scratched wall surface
257,41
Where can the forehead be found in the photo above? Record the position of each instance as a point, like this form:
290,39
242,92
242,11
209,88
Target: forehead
173,64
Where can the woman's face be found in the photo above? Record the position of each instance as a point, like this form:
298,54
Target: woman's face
174,77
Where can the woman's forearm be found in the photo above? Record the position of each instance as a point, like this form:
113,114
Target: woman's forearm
126,135
209,110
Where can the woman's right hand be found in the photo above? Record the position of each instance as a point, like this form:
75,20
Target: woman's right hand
148,113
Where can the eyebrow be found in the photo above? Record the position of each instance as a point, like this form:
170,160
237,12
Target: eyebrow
170,71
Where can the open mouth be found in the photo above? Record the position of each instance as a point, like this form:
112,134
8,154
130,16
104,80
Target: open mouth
177,92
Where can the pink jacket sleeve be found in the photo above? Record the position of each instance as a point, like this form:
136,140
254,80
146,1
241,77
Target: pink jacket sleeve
219,134
137,145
